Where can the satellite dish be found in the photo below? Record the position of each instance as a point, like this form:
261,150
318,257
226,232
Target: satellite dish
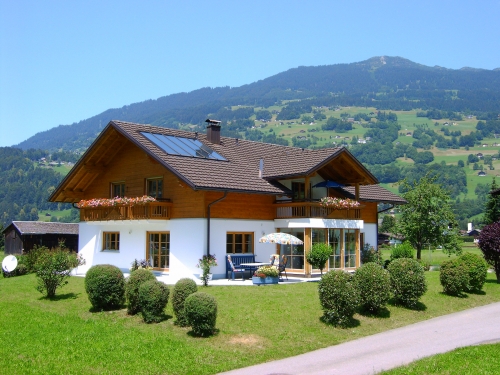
9,263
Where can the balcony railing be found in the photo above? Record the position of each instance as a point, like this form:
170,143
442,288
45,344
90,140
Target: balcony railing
290,210
146,211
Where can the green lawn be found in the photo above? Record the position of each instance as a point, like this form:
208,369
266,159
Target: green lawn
436,256
472,360
255,325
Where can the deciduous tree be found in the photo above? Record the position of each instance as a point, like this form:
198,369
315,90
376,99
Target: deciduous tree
489,243
428,219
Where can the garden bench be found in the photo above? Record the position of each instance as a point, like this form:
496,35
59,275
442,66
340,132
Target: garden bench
237,259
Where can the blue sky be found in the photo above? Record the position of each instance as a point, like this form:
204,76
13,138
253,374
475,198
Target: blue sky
65,61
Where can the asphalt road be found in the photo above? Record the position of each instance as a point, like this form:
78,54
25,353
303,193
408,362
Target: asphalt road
383,351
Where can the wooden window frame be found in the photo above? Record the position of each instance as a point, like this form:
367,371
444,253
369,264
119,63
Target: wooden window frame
151,179
116,241
122,186
148,255
233,243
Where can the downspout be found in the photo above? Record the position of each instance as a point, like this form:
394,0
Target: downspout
208,220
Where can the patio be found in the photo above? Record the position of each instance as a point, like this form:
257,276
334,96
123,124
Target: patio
225,282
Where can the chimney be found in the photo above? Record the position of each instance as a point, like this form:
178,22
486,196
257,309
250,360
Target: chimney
469,227
261,167
213,131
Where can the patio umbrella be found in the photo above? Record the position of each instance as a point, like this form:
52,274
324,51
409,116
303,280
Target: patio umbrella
328,184
281,238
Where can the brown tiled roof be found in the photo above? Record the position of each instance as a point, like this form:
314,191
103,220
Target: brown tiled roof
241,170
374,193
41,227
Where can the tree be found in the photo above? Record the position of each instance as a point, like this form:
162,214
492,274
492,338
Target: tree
53,268
318,255
427,218
492,208
388,223
489,243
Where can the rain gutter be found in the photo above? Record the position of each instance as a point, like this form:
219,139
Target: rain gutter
208,220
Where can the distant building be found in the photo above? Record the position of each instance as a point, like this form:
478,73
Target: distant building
22,236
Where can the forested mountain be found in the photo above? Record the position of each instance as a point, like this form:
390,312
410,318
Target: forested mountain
25,186
387,83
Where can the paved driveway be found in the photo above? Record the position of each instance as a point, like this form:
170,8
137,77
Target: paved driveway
383,351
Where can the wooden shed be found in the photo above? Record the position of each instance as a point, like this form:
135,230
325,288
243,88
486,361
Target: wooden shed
22,236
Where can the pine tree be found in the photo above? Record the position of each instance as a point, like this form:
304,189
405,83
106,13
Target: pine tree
492,207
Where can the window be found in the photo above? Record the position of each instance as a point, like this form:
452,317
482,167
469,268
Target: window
158,249
334,242
294,253
111,241
298,190
237,243
117,189
350,248
154,187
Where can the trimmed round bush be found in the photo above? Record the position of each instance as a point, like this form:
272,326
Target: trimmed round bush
454,277
478,271
134,281
153,297
408,282
201,313
182,289
339,297
105,287
374,285
404,250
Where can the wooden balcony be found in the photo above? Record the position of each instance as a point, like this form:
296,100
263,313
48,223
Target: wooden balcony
292,210
147,211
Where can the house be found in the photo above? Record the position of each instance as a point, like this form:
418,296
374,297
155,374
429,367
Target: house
215,195
22,236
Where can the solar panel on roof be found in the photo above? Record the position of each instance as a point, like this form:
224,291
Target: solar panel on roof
182,146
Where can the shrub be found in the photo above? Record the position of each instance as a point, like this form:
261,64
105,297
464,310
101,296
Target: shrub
182,289
53,269
425,264
478,270
408,282
138,264
454,277
370,254
374,286
339,297
105,286
201,313
318,256
32,257
134,281
153,297
404,250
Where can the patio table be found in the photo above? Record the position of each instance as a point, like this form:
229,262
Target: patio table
254,265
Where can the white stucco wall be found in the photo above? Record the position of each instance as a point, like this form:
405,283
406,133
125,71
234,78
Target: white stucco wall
371,236
188,240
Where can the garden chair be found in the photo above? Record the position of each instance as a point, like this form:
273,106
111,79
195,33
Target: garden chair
282,268
234,270
274,260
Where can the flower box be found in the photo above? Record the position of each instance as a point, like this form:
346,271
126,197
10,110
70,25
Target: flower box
264,280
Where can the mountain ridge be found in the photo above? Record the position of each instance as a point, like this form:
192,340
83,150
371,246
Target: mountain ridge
386,81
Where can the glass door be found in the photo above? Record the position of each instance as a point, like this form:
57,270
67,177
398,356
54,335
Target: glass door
158,250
